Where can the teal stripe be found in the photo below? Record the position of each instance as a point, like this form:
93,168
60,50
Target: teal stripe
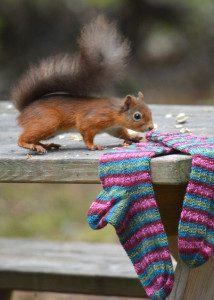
195,226
148,280
150,216
202,151
191,259
146,187
197,234
140,250
199,171
124,161
155,239
93,221
200,179
125,169
204,205
139,193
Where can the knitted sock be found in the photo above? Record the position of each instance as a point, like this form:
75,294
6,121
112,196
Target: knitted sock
196,226
127,202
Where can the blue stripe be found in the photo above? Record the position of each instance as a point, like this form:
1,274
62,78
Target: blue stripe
155,237
195,197
133,229
93,221
191,259
203,170
186,234
126,170
156,273
194,226
199,179
126,189
123,161
199,206
157,245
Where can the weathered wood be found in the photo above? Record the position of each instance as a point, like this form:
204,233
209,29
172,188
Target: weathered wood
193,284
181,278
74,163
97,269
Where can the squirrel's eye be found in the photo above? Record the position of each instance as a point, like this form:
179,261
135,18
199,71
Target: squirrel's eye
137,116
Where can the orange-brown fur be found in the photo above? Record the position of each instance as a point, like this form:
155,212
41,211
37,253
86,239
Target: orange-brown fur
45,118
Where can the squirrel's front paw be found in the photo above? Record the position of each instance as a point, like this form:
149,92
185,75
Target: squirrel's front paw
134,139
96,147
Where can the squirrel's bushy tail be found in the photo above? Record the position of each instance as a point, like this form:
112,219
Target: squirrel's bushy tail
102,57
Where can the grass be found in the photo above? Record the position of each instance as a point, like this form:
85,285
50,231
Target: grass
49,211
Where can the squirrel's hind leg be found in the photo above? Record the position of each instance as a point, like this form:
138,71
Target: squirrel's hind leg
31,146
31,141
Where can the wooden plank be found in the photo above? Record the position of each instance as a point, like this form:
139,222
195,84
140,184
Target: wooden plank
193,284
75,164
98,269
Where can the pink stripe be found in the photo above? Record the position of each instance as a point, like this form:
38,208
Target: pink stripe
126,180
121,156
198,217
151,257
100,208
194,243
203,146
142,205
151,229
200,248
164,281
200,189
205,163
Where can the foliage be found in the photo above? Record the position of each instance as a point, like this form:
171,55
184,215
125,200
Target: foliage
47,211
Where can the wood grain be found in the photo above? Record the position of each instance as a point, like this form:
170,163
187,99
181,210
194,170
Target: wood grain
75,164
193,284
98,269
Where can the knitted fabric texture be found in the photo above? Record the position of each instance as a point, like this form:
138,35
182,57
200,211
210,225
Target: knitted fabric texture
196,226
127,202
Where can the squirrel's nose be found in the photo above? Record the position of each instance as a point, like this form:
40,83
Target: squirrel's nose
151,127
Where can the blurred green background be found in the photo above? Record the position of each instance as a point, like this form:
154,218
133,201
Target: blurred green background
49,211
172,61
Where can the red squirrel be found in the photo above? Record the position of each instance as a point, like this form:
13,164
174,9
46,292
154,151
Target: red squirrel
59,94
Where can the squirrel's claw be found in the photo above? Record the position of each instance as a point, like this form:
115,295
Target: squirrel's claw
96,147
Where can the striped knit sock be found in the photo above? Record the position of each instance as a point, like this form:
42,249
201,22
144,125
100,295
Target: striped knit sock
196,226
127,202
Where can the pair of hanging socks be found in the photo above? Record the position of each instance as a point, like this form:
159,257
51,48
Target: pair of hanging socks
196,226
127,202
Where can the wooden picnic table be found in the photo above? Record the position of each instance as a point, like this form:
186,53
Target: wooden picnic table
73,163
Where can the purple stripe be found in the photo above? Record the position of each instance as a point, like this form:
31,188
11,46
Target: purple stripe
151,229
162,281
203,146
121,156
197,217
201,189
142,205
99,208
204,163
125,179
193,241
151,257
198,248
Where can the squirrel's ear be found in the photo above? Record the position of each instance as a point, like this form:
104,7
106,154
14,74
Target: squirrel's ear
140,96
127,103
